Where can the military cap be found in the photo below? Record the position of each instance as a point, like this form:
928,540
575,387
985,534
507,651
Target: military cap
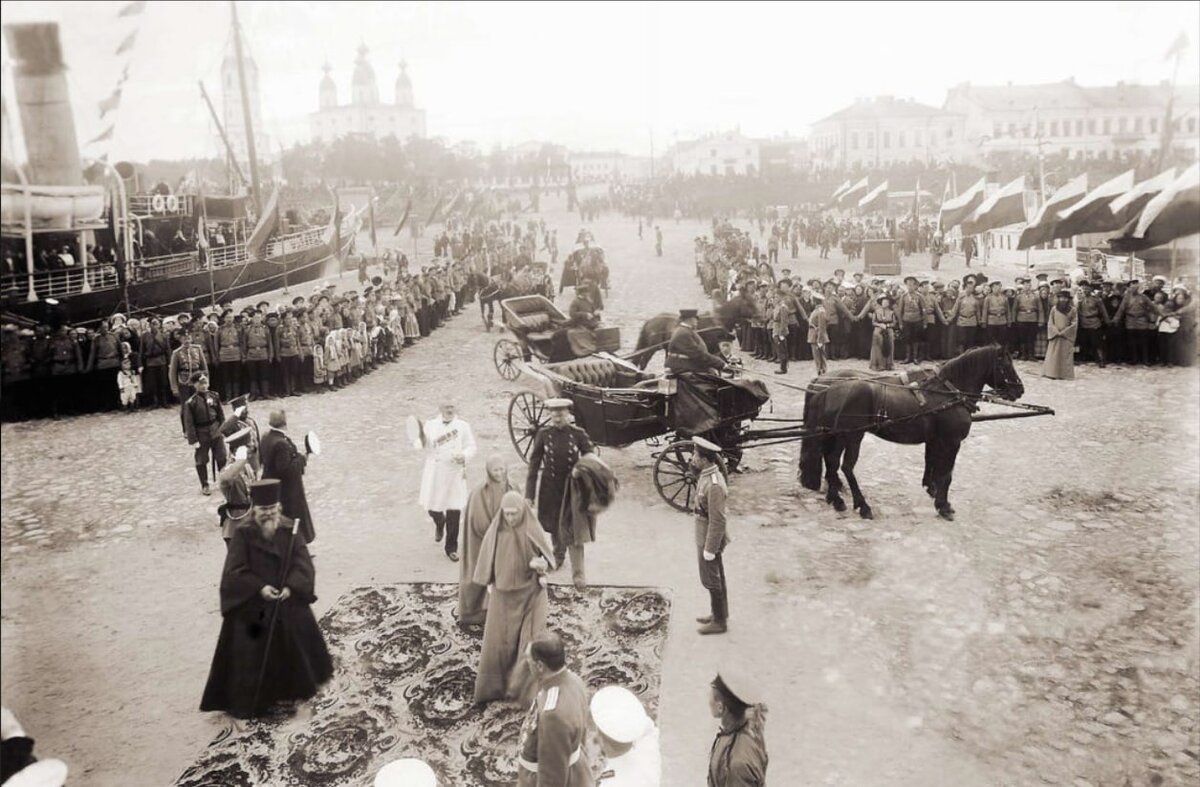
735,683
619,714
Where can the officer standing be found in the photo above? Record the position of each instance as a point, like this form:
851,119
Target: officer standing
710,533
555,450
202,419
186,362
552,736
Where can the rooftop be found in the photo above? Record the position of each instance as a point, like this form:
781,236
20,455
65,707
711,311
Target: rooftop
882,107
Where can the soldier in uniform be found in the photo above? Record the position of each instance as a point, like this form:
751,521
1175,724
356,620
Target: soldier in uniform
1137,310
202,419
687,352
935,321
947,296
995,310
156,358
555,450
1114,337
185,363
257,354
552,736
910,308
738,757
228,360
965,318
1027,316
1093,316
711,534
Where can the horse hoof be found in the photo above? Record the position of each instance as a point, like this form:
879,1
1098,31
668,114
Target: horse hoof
839,506
929,490
946,515
866,513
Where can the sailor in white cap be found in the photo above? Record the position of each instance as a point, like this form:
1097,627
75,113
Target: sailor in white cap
628,738
406,772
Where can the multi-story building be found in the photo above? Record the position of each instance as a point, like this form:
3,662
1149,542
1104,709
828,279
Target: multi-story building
365,114
784,154
612,166
1072,120
882,131
729,153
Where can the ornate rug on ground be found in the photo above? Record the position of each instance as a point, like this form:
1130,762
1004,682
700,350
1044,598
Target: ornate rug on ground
404,673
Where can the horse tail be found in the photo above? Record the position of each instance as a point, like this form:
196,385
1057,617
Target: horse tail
812,449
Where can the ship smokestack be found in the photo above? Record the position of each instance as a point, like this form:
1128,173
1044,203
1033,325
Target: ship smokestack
39,77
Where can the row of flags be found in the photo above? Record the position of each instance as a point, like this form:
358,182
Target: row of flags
1146,214
112,102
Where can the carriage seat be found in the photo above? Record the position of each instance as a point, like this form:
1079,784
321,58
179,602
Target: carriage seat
535,321
600,372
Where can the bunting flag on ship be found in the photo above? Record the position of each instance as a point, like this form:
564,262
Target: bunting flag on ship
1041,226
876,200
112,103
1092,214
958,209
1173,214
1005,207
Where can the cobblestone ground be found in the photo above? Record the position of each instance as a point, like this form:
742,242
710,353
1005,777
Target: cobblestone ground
1048,636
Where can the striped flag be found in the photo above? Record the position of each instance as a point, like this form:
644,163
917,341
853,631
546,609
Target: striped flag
876,200
1129,205
1005,207
851,195
133,9
1092,214
1173,214
1041,226
956,209
404,218
838,192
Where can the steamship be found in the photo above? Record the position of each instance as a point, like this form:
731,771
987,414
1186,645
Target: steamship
51,220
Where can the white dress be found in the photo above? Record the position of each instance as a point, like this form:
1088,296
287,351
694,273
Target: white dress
444,481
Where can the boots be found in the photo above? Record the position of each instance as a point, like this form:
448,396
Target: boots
715,624
439,520
202,471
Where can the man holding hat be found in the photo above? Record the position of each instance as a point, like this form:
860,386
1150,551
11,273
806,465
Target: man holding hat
738,757
554,731
555,450
687,352
449,444
628,738
202,419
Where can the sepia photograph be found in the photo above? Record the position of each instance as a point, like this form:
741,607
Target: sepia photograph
573,394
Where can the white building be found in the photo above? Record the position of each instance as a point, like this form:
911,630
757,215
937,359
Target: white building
881,131
233,116
1080,122
365,114
611,166
730,153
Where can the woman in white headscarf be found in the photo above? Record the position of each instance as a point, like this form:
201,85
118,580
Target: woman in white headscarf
514,558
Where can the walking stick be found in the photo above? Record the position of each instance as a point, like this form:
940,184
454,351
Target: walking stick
262,672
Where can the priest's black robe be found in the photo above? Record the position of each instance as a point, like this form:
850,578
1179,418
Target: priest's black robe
299,660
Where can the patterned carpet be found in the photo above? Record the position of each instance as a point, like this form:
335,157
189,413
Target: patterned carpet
404,673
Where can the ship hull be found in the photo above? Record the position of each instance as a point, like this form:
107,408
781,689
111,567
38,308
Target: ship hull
174,294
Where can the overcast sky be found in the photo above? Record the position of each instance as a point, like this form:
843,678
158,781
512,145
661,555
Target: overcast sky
592,75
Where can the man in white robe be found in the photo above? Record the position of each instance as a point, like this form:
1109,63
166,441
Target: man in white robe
449,444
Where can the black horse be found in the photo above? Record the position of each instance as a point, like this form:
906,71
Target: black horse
491,293
658,329
936,411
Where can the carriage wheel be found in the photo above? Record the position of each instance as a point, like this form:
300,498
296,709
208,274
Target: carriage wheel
674,477
526,416
506,356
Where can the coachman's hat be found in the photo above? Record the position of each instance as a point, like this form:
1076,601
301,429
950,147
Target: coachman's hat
686,314
265,492
558,404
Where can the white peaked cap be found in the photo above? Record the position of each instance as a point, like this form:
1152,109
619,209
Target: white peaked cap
619,714
407,772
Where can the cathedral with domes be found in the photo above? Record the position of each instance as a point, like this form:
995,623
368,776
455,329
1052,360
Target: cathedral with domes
366,114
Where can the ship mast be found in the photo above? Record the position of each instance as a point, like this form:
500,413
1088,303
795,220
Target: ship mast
237,46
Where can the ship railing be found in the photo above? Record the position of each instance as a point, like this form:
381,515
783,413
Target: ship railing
62,283
297,241
161,205
221,256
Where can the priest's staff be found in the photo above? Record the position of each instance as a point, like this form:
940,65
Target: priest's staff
262,672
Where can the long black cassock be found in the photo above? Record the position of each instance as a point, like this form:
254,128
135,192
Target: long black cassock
299,661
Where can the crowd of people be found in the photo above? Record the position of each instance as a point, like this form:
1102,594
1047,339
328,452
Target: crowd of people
915,319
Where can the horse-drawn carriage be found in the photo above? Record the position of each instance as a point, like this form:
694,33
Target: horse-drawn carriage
540,330
617,404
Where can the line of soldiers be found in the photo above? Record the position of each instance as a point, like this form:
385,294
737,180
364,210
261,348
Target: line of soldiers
325,340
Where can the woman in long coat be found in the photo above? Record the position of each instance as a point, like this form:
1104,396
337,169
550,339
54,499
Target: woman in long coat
883,338
482,507
514,558
1060,339
253,586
